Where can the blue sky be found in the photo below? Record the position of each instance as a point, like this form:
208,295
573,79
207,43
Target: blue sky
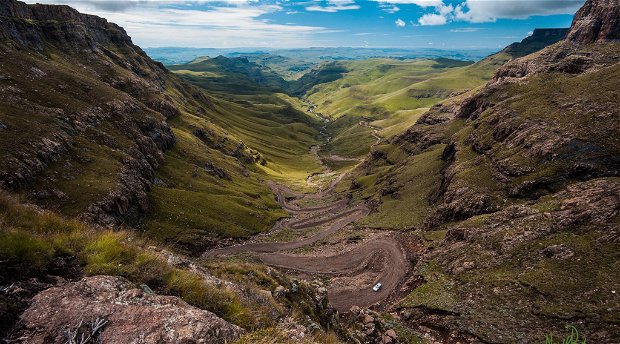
442,24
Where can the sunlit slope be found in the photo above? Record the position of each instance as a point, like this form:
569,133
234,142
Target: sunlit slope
212,185
377,87
271,123
390,96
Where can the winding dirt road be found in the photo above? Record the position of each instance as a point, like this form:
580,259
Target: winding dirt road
379,260
357,269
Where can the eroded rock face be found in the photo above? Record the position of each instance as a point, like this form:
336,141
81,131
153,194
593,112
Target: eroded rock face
126,315
596,21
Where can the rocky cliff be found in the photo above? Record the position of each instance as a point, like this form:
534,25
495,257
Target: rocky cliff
59,24
596,21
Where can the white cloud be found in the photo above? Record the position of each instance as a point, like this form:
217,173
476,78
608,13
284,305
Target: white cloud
433,19
480,11
220,25
400,23
391,9
443,15
421,3
334,6
122,5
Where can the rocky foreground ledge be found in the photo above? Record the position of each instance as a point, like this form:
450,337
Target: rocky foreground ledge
112,310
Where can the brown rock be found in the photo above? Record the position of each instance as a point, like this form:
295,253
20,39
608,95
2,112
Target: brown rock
128,315
596,21
391,333
386,339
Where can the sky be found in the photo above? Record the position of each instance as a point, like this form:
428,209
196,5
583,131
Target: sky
439,24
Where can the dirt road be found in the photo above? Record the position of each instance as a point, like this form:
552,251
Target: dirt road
357,270
354,271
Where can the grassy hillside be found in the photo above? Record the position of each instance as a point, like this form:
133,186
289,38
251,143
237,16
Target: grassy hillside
375,88
390,96
212,184
138,146
234,75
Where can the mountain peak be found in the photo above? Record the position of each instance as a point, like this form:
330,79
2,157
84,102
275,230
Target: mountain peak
596,21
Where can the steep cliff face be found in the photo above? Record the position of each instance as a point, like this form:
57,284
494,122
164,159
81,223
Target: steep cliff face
60,24
83,112
539,39
596,21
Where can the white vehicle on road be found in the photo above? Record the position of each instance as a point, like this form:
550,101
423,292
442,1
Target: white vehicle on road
377,287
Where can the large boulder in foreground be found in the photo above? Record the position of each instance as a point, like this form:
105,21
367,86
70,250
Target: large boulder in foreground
113,310
596,21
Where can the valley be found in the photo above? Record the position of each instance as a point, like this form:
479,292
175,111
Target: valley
189,195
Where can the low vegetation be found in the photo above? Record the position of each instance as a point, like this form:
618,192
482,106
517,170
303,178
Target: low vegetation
572,338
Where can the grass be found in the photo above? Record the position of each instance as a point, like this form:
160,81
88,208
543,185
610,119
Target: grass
437,293
416,178
279,336
272,124
31,239
353,142
572,338
192,205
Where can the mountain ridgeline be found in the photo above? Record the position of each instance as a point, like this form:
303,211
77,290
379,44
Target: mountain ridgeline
242,76
260,198
249,74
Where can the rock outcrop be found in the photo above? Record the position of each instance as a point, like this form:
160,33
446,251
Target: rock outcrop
596,21
112,310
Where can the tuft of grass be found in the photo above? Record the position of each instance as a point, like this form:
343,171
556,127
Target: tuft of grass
572,338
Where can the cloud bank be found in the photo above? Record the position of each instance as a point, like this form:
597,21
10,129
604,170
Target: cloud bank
230,23
484,11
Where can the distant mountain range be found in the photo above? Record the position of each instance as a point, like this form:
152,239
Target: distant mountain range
175,55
